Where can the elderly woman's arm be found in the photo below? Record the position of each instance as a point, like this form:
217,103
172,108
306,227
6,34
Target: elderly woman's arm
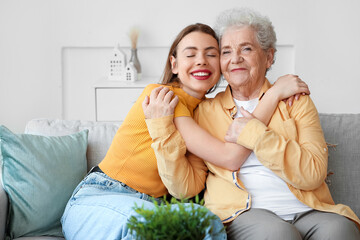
187,176
201,143
182,177
231,156
299,156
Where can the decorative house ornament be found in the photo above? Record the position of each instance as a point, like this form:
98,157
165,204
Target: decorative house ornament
131,72
117,65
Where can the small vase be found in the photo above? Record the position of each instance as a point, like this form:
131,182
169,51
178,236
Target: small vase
134,59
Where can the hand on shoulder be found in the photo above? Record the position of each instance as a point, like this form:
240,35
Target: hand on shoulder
160,103
289,88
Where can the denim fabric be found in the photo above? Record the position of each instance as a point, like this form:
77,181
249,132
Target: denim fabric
101,206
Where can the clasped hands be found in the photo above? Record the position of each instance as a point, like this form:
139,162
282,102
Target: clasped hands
162,102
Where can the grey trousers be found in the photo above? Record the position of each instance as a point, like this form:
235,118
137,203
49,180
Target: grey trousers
262,224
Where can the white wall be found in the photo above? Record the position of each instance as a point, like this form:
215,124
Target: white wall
35,34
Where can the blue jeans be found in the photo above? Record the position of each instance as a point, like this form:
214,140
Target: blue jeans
101,206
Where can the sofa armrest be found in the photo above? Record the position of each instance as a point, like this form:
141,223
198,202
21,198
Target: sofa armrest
3,209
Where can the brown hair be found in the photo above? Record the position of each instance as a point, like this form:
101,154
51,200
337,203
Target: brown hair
168,77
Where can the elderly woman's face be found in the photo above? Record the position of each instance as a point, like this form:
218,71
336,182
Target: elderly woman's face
243,61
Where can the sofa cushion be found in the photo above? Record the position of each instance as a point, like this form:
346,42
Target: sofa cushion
3,207
39,174
100,136
342,133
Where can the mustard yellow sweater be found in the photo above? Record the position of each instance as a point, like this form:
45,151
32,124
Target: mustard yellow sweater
130,158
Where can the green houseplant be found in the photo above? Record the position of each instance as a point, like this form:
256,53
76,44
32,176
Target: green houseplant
174,220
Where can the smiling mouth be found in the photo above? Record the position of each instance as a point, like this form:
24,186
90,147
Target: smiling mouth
238,69
201,74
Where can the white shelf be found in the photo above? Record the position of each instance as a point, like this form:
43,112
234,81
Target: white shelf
104,83
113,99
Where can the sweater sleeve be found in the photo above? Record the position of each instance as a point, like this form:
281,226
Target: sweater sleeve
300,155
182,177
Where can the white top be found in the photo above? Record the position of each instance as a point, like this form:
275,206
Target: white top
267,190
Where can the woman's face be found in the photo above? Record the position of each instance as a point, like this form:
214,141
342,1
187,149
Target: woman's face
197,63
243,61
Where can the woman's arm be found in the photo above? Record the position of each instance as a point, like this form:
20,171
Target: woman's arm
201,143
226,154
294,149
197,140
285,86
182,177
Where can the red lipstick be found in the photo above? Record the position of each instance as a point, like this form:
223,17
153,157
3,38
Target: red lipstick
201,74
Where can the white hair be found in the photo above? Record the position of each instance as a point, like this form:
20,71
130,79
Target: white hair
265,33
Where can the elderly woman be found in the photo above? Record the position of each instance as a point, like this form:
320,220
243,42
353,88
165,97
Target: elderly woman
280,190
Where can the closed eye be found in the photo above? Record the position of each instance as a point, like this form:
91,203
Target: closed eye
246,49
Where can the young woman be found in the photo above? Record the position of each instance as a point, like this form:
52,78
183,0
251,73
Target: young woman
103,202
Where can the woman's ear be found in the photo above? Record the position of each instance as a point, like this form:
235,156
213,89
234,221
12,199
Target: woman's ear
270,58
173,65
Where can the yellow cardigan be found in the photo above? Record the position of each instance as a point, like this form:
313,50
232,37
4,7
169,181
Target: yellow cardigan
292,146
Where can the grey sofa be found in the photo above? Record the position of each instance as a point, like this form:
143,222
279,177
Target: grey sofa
342,132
